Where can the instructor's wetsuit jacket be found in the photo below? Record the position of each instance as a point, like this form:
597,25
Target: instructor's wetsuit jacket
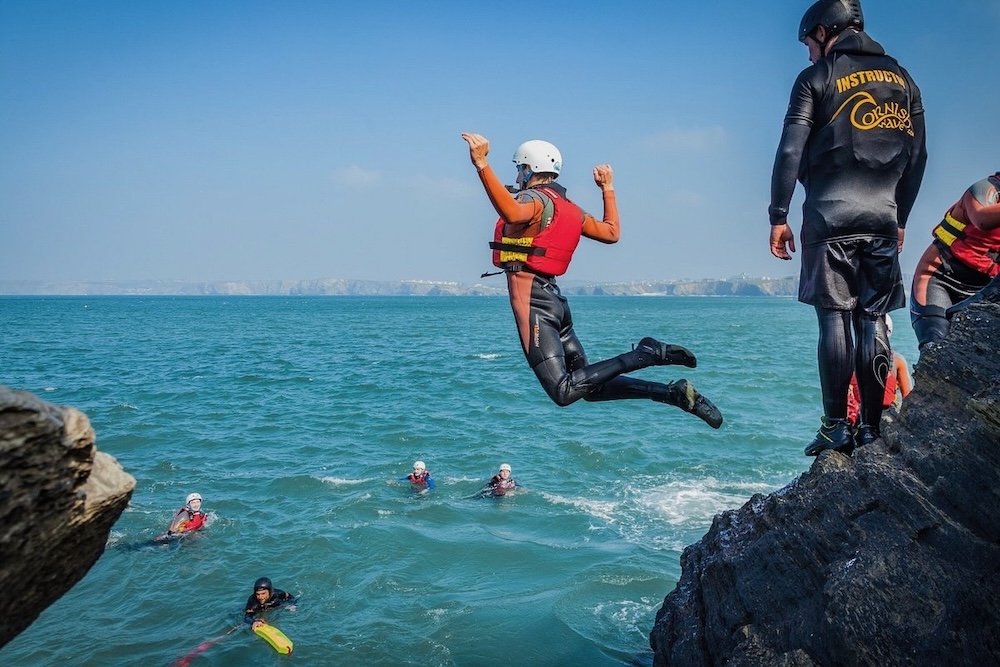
253,608
854,136
542,314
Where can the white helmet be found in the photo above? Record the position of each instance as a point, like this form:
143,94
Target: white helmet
505,466
419,465
192,496
540,156
888,325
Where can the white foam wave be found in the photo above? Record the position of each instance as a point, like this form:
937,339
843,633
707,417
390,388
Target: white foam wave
695,501
601,509
342,481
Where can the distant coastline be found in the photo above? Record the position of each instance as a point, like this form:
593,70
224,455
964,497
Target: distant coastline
736,286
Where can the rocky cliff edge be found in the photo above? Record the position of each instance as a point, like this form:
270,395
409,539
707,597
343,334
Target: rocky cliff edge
59,498
889,557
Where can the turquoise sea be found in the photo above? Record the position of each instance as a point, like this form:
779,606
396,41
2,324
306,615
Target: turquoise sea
295,417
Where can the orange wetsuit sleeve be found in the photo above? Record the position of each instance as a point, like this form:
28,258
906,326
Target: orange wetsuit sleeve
509,208
984,216
607,230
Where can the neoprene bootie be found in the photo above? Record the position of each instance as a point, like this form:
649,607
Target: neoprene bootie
832,434
866,435
665,354
683,394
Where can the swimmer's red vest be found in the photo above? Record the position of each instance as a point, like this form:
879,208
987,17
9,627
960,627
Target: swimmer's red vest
976,248
420,480
972,246
194,520
550,250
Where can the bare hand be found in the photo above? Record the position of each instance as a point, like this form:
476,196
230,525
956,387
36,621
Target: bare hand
902,235
782,236
257,624
603,176
479,148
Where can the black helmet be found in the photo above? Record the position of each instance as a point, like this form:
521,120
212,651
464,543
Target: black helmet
262,584
834,15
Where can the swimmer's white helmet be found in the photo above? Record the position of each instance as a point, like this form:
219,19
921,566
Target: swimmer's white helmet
419,465
888,325
505,466
540,156
192,496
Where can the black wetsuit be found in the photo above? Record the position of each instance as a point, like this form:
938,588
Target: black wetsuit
253,608
557,357
854,137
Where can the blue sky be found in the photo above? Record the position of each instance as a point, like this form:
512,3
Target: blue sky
296,140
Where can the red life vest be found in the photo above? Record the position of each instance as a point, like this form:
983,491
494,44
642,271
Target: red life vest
890,388
549,252
194,521
419,480
974,247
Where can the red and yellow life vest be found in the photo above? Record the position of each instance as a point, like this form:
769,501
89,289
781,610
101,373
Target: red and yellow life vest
550,250
970,245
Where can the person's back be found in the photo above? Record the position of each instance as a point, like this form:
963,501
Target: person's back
861,92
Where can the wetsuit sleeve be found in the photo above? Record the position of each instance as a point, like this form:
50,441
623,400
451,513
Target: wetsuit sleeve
251,609
786,169
430,483
978,209
511,210
913,174
607,230
792,146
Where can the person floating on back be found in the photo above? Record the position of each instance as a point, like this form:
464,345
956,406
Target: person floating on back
534,240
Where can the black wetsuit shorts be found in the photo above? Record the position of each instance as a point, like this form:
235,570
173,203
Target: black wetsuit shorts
853,272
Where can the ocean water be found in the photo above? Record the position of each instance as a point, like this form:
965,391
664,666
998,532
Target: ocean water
295,418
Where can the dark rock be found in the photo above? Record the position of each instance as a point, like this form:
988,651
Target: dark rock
889,557
59,498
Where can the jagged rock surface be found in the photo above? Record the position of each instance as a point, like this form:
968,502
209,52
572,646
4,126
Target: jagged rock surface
59,498
889,557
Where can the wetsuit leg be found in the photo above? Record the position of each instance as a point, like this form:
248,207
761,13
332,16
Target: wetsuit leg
565,387
680,393
873,362
835,354
939,282
928,310
545,325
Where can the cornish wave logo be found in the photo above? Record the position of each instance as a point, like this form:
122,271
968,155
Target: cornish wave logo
868,114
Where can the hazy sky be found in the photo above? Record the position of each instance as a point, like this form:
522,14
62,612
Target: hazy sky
201,140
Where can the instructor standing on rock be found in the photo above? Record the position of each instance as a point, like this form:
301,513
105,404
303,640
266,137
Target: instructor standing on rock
854,137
